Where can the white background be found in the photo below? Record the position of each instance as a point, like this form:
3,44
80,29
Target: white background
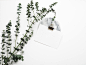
71,15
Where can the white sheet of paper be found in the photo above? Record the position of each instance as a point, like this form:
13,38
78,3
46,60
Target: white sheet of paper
48,37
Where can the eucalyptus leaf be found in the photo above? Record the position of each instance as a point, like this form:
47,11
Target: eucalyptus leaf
16,49
16,35
7,50
17,29
3,40
27,30
3,45
22,39
3,48
3,52
9,40
29,35
3,35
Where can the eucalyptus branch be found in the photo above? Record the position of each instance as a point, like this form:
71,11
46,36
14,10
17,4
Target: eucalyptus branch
28,34
17,22
33,21
2,45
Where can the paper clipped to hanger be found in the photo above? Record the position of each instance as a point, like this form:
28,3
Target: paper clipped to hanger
47,36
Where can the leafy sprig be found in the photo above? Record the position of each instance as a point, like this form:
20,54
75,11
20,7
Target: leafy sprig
32,19
17,26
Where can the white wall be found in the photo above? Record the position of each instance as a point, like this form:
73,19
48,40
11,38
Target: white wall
71,15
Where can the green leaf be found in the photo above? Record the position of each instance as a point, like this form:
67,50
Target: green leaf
16,21
2,56
21,47
7,36
18,10
9,24
9,40
36,4
3,48
22,44
27,14
7,50
52,10
8,31
50,6
11,53
34,16
22,59
9,43
52,19
28,5
16,35
53,4
22,39
3,52
31,2
39,14
25,36
18,24
6,59
26,39
27,30
19,7
38,19
25,42
17,29
44,15
32,32
16,49
32,8
30,26
33,22
19,3
29,35
8,47
3,40
18,13
3,45
3,35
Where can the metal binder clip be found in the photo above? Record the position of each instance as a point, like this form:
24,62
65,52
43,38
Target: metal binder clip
51,27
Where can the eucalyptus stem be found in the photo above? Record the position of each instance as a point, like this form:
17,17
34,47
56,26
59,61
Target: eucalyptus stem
2,58
28,21
10,48
15,41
